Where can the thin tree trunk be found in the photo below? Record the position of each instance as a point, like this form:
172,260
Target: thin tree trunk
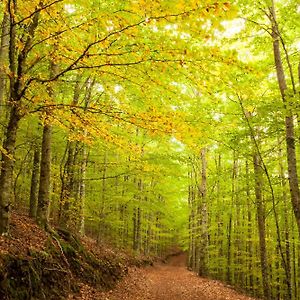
68,188
203,247
287,266
137,219
277,273
45,176
84,153
4,47
101,223
67,193
7,166
42,216
295,271
228,258
190,225
230,225
237,234
138,230
220,219
289,120
82,188
261,226
134,219
249,245
34,183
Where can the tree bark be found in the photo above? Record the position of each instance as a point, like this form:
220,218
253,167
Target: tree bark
17,63
137,218
34,183
202,210
42,216
4,47
67,192
230,225
7,166
192,224
45,175
249,245
287,266
73,184
289,120
261,225
102,206
82,189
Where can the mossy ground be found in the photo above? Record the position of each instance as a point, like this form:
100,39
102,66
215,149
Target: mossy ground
54,270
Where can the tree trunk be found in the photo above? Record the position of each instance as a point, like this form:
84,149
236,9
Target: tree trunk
8,151
42,216
45,175
102,206
69,189
137,219
220,218
34,183
82,189
295,269
67,192
287,266
289,120
16,68
261,225
137,229
7,166
249,246
203,247
190,225
4,47
237,260
230,225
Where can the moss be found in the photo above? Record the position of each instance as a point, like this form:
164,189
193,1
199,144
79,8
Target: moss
34,277
55,272
98,272
68,249
71,239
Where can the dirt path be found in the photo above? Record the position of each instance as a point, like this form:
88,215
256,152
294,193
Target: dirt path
170,281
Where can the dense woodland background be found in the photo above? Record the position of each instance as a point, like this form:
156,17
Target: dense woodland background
151,124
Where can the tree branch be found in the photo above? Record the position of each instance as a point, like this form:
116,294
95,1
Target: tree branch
38,9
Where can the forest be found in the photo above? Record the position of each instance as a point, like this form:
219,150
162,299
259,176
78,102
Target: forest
154,124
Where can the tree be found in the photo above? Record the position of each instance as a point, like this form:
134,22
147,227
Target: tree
289,118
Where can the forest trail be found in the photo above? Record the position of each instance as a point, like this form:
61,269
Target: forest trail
170,281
